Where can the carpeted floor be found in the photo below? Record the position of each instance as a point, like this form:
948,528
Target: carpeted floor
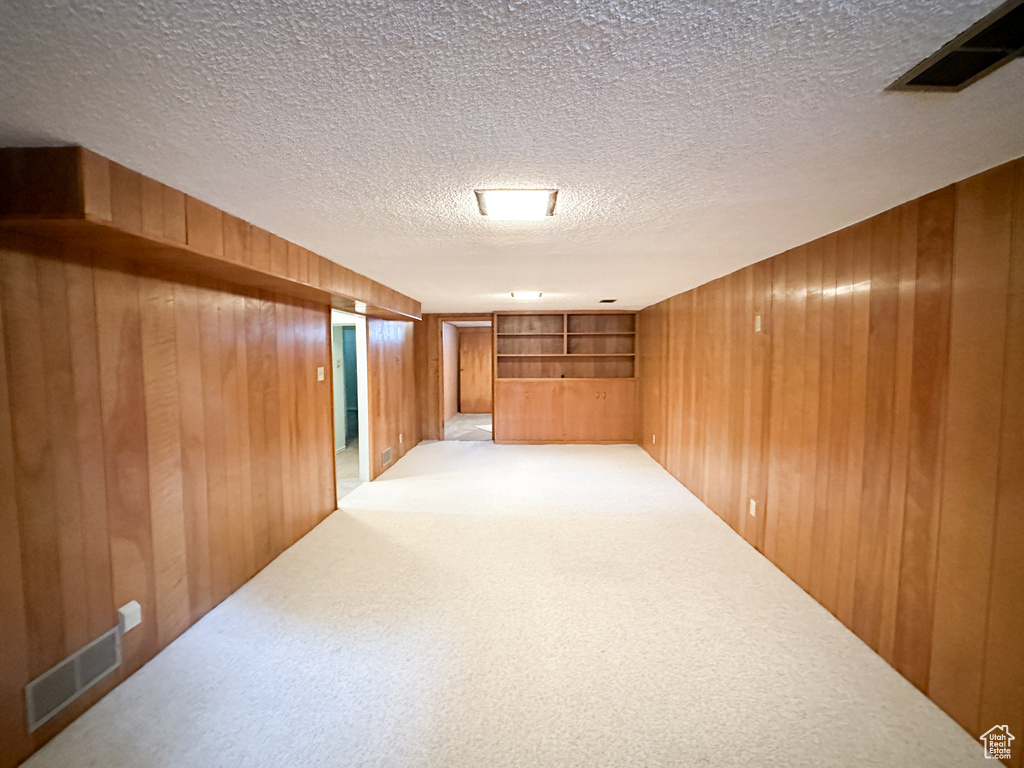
468,426
483,606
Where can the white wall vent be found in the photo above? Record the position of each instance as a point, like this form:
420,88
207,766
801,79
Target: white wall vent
53,690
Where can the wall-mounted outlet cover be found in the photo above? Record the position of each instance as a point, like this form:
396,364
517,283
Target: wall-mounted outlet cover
757,324
654,439
320,373
129,616
753,508
399,438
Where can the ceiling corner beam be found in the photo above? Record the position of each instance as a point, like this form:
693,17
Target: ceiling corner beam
74,195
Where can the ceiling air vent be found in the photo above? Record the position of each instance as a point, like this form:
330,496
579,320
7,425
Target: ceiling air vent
982,49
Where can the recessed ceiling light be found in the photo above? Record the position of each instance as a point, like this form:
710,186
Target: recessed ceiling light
526,295
516,204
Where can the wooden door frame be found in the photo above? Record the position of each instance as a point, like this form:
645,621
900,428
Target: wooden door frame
432,394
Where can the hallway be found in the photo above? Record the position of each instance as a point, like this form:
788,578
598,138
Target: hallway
517,605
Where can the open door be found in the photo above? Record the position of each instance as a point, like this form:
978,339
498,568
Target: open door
351,442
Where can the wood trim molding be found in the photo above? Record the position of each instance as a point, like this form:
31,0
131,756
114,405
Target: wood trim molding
71,194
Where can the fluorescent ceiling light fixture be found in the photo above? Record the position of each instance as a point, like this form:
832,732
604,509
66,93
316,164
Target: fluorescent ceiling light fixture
516,204
526,295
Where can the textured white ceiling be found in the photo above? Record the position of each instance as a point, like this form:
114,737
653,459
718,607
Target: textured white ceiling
687,139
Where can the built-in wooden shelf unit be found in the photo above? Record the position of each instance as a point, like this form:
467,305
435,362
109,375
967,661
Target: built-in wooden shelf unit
565,377
565,345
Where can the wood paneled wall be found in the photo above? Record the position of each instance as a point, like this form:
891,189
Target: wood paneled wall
429,384
877,420
395,418
450,369
72,194
160,440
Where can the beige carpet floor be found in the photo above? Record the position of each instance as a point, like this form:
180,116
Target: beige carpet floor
483,606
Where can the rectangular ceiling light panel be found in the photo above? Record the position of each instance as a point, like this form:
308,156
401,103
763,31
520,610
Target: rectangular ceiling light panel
516,204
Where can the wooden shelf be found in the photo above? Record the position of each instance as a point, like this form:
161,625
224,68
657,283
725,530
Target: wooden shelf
566,345
569,354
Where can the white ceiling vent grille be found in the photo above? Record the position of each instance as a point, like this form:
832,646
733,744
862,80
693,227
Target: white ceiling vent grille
994,41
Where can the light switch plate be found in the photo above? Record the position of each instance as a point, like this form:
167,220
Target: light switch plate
320,373
129,616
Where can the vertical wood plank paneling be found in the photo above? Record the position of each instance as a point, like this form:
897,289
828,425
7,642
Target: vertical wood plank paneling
151,193
195,502
218,531
287,414
810,390
821,558
175,228
229,375
204,227
241,398
125,198
839,421
981,264
859,341
328,499
933,285
761,410
259,249
130,403
891,421
14,646
259,467
89,443
908,238
873,528
237,240
58,382
125,454
1002,698
95,182
390,374
271,409
163,433
37,513
774,491
731,476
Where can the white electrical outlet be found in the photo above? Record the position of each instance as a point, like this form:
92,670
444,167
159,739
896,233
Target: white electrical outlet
757,324
129,616
654,439
753,508
320,373
399,438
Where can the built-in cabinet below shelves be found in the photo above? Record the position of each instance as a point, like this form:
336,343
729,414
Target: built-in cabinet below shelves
565,411
565,377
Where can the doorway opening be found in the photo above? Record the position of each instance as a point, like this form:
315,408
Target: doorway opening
351,401
467,363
